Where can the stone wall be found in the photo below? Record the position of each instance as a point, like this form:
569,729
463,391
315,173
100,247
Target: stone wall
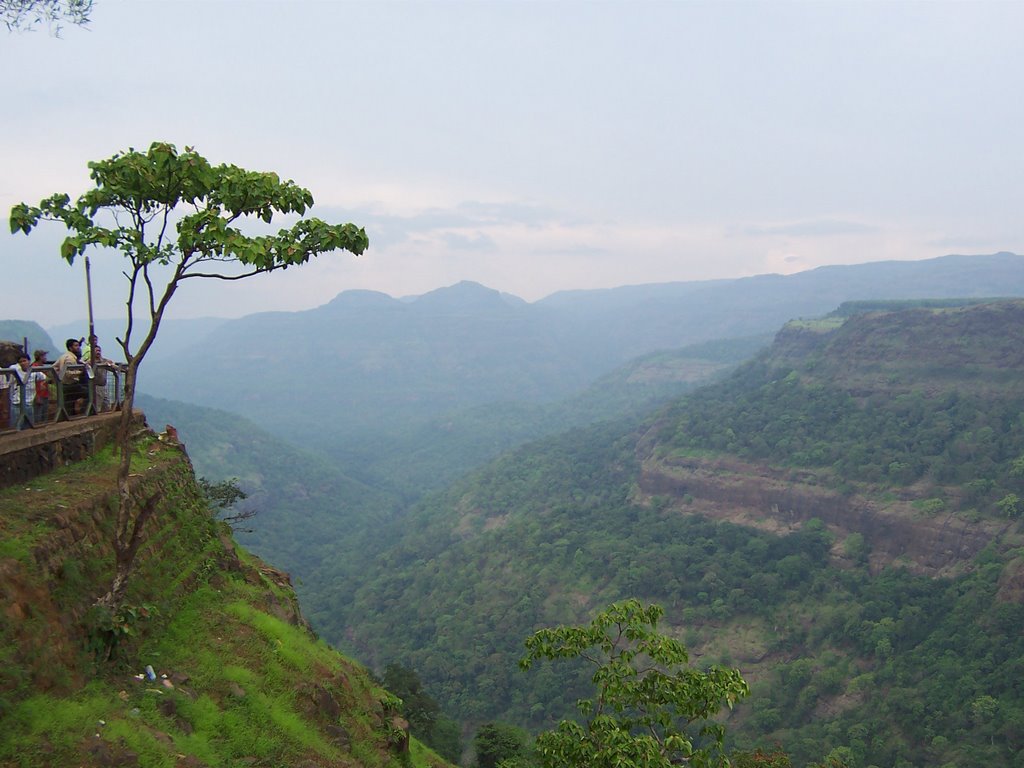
33,452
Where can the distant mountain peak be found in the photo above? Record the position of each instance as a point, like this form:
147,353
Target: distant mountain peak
360,298
466,295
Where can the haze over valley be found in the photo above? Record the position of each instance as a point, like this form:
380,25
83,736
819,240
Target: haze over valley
561,384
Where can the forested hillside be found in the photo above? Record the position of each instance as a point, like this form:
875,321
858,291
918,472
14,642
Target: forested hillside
373,368
307,512
842,490
840,518
320,524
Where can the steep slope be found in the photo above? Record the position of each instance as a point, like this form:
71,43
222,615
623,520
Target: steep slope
855,637
238,677
309,513
344,521
901,426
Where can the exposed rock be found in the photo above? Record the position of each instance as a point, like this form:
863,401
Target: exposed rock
326,705
338,735
235,690
112,755
780,500
9,352
1011,583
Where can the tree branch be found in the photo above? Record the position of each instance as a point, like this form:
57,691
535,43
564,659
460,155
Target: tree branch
259,271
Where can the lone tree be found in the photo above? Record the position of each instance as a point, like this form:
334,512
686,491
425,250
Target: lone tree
173,217
648,696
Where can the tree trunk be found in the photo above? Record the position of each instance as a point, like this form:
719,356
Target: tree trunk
128,526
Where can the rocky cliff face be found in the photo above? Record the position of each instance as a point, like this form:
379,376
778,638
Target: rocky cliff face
780,500
975,351
978,346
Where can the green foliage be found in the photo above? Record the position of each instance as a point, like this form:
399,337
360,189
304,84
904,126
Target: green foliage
107,629
139,199
426,722
222,494
767,414
146,187
647,695
546,532
417,706
500,745
245,680
1010,505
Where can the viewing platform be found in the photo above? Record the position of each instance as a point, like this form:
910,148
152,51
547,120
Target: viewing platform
28,453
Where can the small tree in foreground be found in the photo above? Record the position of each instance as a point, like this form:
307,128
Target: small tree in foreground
500,745
173,217
648,696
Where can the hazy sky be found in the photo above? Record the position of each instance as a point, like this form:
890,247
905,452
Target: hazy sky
536,146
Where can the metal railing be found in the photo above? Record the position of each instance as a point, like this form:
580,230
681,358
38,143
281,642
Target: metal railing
85,391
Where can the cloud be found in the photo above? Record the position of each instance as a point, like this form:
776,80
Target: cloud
460,224
476,241
810,228
973,243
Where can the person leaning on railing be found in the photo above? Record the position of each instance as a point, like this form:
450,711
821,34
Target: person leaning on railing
22,386
100,367
72,378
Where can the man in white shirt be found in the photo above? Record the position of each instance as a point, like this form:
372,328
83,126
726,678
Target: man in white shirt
23,392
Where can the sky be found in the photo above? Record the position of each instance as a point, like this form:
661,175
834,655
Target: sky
534,146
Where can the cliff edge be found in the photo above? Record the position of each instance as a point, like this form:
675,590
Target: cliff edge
210,663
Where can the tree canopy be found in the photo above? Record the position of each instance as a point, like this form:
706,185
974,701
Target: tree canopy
175,216
647,695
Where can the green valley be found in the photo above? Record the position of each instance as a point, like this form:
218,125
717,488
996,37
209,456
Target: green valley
853,589
835,509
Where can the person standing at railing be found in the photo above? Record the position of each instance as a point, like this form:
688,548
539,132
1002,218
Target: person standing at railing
5,399
23,392
73,380
100,367
41,404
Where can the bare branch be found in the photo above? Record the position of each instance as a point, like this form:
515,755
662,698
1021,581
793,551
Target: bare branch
214,275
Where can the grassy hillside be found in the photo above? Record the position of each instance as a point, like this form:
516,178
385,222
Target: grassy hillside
874,599
239,679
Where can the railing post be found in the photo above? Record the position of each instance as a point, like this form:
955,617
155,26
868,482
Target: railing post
62,409
90,388
22,405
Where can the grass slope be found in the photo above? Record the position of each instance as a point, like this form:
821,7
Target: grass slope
246,683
